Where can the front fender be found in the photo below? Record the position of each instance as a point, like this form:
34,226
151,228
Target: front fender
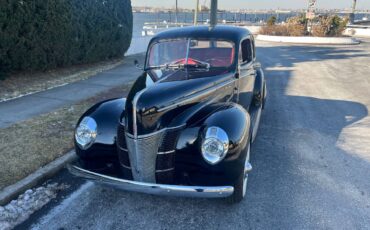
107,115
235,120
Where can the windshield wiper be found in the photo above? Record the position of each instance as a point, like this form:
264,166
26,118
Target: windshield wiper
164,66
202,65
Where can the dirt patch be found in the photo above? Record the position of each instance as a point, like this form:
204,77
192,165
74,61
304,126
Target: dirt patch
28,145
26,83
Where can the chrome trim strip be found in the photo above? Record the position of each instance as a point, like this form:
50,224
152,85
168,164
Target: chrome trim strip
187,52
125,166
201,93
134,106
167,152
151,188
247,167
154,133
123,149
164,170
256,124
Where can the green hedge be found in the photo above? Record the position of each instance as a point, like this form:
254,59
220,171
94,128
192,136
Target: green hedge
45,34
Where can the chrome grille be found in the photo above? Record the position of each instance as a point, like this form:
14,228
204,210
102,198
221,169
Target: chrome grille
143,154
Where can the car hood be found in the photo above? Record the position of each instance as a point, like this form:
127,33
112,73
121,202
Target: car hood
157,104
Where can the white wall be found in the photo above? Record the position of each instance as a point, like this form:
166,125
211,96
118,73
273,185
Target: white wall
253,29
310,40
357,32
138,45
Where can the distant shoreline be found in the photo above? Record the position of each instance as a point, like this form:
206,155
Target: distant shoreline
280,11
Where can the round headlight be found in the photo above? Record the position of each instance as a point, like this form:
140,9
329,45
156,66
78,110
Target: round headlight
215,145
86,132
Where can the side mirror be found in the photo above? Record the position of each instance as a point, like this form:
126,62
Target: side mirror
136,63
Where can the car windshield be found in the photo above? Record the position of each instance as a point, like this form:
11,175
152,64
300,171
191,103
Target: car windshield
191,54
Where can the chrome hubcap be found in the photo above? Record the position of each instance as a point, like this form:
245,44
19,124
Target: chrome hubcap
247,169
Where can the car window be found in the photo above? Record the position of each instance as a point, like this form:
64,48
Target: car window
166,52
216,53
246,51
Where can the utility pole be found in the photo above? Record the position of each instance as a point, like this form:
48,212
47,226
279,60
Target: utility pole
176,13
213,13
352,14
196,13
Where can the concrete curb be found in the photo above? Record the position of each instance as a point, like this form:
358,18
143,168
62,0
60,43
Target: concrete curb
358,32
253,29
11,192
310,40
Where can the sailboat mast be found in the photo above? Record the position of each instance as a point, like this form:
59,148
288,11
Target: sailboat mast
353,11
196,13
176,10
213,13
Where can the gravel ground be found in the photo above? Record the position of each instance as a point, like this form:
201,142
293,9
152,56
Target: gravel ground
311,159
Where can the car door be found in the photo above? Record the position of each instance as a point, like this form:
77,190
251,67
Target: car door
247,73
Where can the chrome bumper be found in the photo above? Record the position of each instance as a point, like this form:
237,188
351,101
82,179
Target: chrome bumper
150,188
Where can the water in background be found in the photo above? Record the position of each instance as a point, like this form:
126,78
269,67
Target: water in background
139,43
141,18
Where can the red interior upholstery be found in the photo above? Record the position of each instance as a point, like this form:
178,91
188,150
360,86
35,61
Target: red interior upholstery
183,61
220,56
217,57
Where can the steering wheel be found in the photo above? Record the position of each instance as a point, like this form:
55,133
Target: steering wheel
191,61
216,61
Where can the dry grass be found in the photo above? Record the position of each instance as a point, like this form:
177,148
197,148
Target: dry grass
28,145
323,26
25,83
283,30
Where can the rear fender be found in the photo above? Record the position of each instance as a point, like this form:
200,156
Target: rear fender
259,92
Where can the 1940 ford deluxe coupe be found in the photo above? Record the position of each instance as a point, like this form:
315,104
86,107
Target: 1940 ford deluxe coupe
188,122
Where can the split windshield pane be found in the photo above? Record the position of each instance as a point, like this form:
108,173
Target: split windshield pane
216,53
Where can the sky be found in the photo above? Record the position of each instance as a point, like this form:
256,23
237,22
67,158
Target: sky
256,4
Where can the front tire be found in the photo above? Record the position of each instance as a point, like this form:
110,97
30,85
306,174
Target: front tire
240,187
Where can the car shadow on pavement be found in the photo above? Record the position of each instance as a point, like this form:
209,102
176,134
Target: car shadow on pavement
302,171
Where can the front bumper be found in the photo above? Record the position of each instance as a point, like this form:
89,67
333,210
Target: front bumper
156,189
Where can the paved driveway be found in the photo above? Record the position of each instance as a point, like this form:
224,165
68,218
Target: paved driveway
311,159
29,106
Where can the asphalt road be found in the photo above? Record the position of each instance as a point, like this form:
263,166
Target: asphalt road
311,159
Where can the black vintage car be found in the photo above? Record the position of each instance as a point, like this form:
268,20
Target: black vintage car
188,122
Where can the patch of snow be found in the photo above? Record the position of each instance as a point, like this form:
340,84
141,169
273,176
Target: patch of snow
27,203
63,206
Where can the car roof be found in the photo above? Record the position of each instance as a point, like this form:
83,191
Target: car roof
231,33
